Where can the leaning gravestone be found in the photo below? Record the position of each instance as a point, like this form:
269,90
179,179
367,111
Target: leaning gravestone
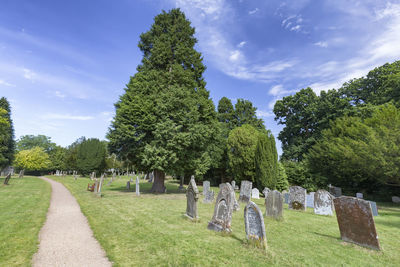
297,198
274,204
310,200
192,196
128,185
100,185
356,223
222,218
209,197
245,191
206,187
335,191
359,195
137,186
323,203
374,208
395,199
254,224
255,193
266,191
7,179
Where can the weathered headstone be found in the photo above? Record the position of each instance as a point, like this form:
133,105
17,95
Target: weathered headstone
359,195
206,187
181,187
395,199
222,217
254,224
100,185
274,204
128,185
310,200
286,196
96,186
7,179
137,186
151,177
192,196
245,191
21,174
335,191
374,208
297,198
266,191
356,222
233,184
255,193
209,197
323,203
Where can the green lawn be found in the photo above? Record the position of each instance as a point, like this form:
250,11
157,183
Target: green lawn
23,208
150,231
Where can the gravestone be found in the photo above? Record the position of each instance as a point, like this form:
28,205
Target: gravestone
192,196
310,200
255,193
209,197
297,198
395,199
359,195
181,183
128,185
206,187
323,203
137,186
100,185
222,217
254,224
151,177
286,196
233,184
236,205
266,191
356,223
131,180
274,204
7,179
374,208
21,174
96,186
245,191
335,191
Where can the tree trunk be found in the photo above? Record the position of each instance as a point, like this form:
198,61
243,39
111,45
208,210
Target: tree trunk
158,183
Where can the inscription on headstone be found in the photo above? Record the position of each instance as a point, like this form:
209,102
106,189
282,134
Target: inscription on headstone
192,196
222,217
356,223
274,204
323,203
297,198
255,193
254,224
245,191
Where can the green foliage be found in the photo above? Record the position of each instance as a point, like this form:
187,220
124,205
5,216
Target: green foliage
299,174
34,159
361,153
165,120
245,113
58,157
91,156
282,179
71,154
266,162
7,143
27,142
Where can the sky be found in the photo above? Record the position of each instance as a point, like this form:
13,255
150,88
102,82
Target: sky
63,64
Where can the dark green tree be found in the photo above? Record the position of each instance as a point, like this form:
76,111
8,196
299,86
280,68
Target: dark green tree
266,161
282,181
165,120
245,113
27,142
91,156
7,143
58,158
71,154
226,113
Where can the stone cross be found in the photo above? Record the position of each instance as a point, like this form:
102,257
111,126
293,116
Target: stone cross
222,217
245,191
255,193
323,203
254,224
7,179
310,200
297,198
356,223
137,186
274,205
192,196
206,187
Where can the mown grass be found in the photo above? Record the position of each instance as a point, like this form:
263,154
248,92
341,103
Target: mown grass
23,208
150,230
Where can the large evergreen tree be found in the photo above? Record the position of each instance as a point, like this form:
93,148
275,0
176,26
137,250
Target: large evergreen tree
91,156
165,120
7,143
266,161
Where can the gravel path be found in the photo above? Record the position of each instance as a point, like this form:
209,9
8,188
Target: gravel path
66,238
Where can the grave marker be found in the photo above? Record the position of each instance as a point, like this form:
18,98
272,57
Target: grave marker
245,191
254,224
137,186
310,200
222,217
274,205
7,179
192,196
323,203
297,198
255,193
128,185
266,191
374,208
335,191
206,187
359,195
209,197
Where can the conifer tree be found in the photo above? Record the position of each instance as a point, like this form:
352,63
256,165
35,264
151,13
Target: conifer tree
165,120
7,143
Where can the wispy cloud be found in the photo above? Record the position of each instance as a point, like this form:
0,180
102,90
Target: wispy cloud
252,12
321,44
2,82
59,94
241,44
66,117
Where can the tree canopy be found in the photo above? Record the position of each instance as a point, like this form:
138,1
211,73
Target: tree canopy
7,143
34,159
30,141
91,156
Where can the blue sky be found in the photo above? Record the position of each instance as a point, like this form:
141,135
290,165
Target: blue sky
63,64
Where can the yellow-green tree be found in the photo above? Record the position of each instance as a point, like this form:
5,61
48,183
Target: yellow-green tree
35,159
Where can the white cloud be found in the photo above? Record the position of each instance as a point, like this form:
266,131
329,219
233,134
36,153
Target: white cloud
296,28
241,44
321,44
251,12
55,116
264,114
59,94
29,74
2,82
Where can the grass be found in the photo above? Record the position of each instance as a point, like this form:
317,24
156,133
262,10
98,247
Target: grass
23,208
150,230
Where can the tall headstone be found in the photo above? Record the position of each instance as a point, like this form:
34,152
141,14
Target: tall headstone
245,191
274,204
233,184
254,224
359,195
100,185
222,217
323,203
310,200
96,186
206,187
335,191
356,222
192,196
128,185
181,183
255,193
266,191
137,186
297,198
374,208
7,179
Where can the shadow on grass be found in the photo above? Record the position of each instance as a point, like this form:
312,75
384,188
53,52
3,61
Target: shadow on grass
329,236
146,189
